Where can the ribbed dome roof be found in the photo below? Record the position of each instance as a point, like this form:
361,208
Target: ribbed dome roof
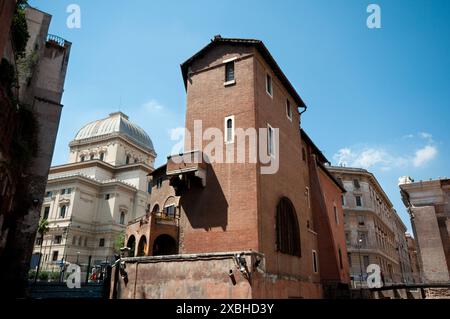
116,123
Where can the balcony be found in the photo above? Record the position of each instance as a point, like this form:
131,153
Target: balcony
185,170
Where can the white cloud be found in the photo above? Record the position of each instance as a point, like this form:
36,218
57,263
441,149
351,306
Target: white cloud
153,105
365,158
380,157
424,155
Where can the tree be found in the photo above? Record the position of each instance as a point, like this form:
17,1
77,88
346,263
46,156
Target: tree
42,230
119,242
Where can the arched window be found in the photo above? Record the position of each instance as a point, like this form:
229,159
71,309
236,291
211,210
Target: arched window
165,245
92,157
288,233
131,243
122,218
155,209
102,156
62,212
82,158
127,160
142,247
229,129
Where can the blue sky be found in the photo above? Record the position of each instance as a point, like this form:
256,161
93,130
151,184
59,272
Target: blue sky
377,98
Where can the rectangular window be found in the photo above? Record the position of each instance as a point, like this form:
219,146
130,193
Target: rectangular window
336,217
48,194
62,211
362,239
106,196
356,183
347,239
366,261
38,241
102,242
270,141
358,201
288,110
169,211
308,200
361,220
314,257
269,88
343,200
229,72
46,212
58,239
229,129
69,190
55,255
63,191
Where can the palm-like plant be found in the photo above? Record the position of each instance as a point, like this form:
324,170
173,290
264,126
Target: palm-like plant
42,230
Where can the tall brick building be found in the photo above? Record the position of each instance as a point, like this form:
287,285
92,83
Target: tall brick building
234,231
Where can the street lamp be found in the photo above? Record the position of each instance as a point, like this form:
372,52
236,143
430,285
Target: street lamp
360,266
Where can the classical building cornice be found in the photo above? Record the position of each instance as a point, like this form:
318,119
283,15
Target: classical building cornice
100,164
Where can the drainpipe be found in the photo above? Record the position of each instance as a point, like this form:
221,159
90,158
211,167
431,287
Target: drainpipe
304,110
304,107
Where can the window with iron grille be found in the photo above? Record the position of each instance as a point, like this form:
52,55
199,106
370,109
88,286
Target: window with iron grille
287,229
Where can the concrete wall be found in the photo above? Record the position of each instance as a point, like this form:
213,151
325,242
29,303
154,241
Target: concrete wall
432,254
204,276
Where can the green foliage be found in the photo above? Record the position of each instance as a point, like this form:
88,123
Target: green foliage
119,242
43,275
54,275
31,274
43,227
19,29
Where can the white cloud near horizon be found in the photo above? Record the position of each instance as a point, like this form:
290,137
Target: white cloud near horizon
378,156
424,155
152,105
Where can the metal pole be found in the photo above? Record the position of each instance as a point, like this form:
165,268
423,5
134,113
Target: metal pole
39,261
88,269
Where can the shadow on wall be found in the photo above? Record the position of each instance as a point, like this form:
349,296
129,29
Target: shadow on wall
206,207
